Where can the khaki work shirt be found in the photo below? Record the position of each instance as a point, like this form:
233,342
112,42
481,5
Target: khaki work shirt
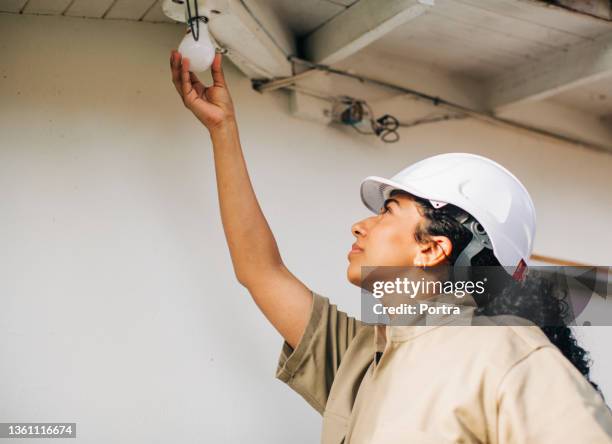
437,384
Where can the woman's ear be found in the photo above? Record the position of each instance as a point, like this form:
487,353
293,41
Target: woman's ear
433,252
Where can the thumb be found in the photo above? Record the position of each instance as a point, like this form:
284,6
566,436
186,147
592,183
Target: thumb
216,71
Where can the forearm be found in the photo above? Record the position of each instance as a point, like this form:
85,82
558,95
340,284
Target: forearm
251,242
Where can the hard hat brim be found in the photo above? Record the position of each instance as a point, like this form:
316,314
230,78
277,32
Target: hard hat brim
375,190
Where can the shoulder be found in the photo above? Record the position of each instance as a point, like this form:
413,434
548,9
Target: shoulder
521,335
501,342
522,352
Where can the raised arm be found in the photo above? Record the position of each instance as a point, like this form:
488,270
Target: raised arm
258,265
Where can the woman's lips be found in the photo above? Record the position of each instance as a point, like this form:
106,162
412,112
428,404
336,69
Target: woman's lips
355,249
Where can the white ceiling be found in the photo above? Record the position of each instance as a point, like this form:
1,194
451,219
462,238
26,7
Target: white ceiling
594,97
484,48
301,16
145,10
304,16
484,38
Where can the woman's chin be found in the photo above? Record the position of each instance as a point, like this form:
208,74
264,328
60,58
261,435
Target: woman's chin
353,275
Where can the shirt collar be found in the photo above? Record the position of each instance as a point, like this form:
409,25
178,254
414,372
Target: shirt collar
418,325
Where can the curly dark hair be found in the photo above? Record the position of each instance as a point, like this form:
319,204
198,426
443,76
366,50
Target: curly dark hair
536,299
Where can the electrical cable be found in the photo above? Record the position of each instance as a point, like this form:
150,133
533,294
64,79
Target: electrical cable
387,128
454,107
384,127
423,120
195,20
352,112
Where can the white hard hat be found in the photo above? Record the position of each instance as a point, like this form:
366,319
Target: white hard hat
486,190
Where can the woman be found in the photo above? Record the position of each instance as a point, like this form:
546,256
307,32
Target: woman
410,383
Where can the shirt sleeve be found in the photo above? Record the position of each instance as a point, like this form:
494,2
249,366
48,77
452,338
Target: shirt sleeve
310,368
544,399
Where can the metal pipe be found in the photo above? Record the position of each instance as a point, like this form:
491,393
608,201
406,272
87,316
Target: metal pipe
266,86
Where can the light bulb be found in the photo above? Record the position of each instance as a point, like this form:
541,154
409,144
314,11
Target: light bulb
200,53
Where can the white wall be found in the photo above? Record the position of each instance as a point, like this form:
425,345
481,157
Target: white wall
119,308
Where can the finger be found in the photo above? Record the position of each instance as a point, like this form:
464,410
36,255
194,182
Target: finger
174,60
199,87
194,78
217,71
175,63
189,94
208,93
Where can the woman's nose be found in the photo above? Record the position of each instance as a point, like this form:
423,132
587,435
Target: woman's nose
358,229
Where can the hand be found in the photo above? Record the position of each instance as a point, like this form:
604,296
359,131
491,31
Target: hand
212,105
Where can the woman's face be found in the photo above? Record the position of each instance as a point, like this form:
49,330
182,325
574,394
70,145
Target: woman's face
388,239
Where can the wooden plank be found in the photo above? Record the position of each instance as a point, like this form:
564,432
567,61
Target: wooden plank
594,98
483,42
52,7
156,15
434,40
406,73
597,8
564,262
301,16
88,8
515,30
12,5
129,9
539,13
361,24
557,72
252,43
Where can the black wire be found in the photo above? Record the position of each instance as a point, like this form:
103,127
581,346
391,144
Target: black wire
386,131
386,128
191,20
